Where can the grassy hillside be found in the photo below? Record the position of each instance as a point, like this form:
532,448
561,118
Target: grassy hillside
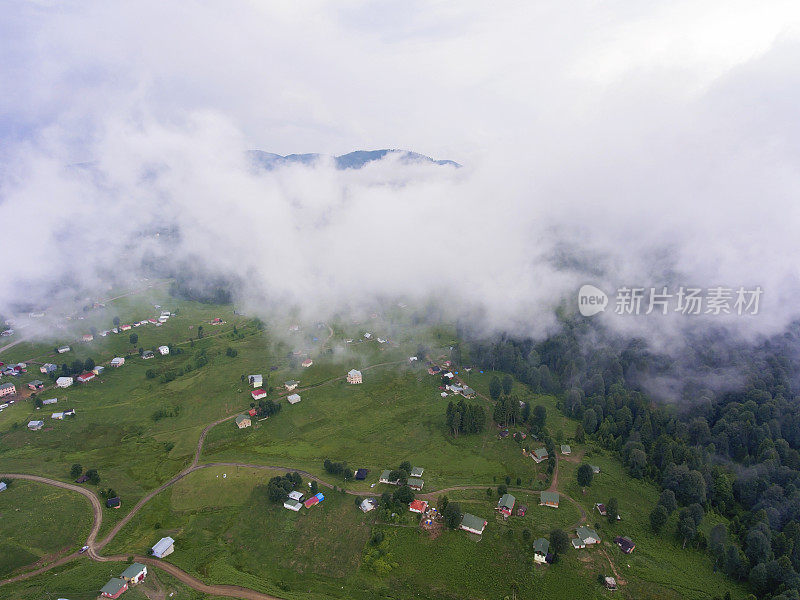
139,431
39,523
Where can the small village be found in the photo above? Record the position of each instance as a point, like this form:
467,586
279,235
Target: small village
424,509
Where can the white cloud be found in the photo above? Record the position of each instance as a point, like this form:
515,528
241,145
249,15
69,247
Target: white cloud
657,142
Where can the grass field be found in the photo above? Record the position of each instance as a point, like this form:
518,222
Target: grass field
39,523
139,431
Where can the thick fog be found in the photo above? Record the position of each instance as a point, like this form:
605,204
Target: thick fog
621,143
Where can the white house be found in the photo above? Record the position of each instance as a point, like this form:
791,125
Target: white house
49,401
117,361
3,486
472,524
256,380
368,504
586,537
58,415
295,495
63,349
64,382
294,398
291,384
258,394
164,547
164,350
135,573
292,505
541,547
354,376
35,425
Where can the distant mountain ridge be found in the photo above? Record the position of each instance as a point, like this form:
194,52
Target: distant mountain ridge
352,160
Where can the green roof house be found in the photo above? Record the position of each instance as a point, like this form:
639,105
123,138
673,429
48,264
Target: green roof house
472,524
506,504
540,548
549,499
135,573
114,588
415,483
417,472
540,454
588,536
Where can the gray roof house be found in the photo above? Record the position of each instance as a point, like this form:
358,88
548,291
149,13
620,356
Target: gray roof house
417,472
164,547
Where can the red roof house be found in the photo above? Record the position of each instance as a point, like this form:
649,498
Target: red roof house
418,506
84,377
252,412
258,394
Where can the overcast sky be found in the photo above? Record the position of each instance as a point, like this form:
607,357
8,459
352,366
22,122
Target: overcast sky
647,141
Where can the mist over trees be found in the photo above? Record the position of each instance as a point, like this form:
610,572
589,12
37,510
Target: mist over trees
733,452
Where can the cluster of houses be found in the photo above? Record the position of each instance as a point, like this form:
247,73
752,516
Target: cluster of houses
415,481
14,370
36,425
459,390
295,501
157,321
131,576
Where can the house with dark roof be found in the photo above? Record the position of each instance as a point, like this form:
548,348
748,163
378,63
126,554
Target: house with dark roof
361,474
625,544
36,384
113,502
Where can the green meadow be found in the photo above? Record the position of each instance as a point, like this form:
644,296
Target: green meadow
39,523
139,431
